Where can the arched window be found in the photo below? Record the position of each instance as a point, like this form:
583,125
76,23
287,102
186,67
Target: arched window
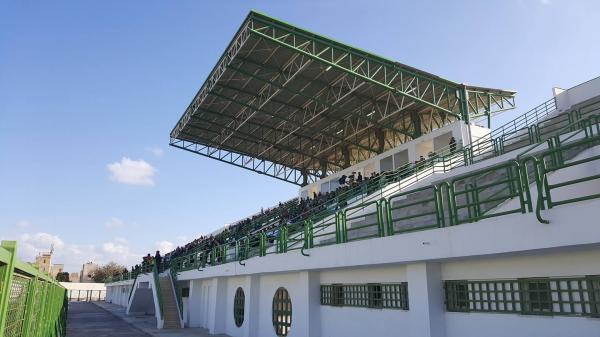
238,307
282,312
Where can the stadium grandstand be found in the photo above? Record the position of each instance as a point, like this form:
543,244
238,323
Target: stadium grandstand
413,212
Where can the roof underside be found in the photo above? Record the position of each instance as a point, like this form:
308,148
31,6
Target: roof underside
296,106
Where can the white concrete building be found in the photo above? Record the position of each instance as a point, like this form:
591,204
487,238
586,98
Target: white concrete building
496,234
508,275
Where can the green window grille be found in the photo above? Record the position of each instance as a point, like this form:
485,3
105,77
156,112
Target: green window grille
375,296
17,301
457,295
282,312
338,295
371,295
536,296
572,296
238,307
594,294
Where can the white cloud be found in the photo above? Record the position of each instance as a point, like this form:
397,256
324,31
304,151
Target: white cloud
32,244
115,248
157,151
114,223
165,246
73,256
132,172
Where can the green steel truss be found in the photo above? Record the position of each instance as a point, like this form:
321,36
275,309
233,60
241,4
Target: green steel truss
297,106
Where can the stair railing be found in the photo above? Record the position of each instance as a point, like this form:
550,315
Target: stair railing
158,290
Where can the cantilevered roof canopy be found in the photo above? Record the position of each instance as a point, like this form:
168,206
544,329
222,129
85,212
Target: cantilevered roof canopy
294,105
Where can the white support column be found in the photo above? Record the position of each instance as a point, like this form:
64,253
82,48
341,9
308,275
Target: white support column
218,306
426,300
251,307
306,305
195,302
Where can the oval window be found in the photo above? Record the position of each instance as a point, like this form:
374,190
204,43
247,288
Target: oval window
238,307
282,312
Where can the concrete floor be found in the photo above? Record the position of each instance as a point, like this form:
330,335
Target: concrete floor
100,319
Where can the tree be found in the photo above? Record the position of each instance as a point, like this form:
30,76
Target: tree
62,277
103,273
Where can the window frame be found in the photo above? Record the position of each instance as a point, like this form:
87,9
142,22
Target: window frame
239,303
337,295
375,295
282,308
535,305
452,296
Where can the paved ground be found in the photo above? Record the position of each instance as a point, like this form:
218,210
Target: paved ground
87,319
99,319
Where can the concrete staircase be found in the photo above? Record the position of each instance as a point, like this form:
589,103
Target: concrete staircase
169,302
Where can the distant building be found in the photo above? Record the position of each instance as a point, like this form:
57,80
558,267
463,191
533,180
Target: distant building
56,269
74,277
87,271
44,261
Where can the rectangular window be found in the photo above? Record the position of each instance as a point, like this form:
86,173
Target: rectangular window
386,164
457,295
372,295
536,296
568,296
338,295
594,295
185,292
400,159
375,297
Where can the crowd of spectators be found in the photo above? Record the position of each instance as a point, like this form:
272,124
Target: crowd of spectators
293,211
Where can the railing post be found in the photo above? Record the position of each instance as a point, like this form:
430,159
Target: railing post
282,241
11,247
308,234
388,218
263,244
439,210
380,223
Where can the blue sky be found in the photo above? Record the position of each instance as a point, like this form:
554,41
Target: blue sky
87,87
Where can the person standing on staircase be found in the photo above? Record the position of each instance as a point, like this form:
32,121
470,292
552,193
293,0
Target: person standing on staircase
158,259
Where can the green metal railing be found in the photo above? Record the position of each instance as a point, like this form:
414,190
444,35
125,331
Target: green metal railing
467,198
471,197
157,289
32,304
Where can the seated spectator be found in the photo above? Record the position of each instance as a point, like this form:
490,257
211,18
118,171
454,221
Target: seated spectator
452,144
342,180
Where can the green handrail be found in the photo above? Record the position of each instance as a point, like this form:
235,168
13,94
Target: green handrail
38,303
516,183
157,290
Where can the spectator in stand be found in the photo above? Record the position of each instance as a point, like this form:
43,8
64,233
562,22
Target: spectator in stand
452,144
359,179
158,258
342,180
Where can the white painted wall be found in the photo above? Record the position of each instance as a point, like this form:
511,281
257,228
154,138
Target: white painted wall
510,246
537,264
577,94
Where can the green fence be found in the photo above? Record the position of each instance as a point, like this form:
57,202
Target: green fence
31,303
550,145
